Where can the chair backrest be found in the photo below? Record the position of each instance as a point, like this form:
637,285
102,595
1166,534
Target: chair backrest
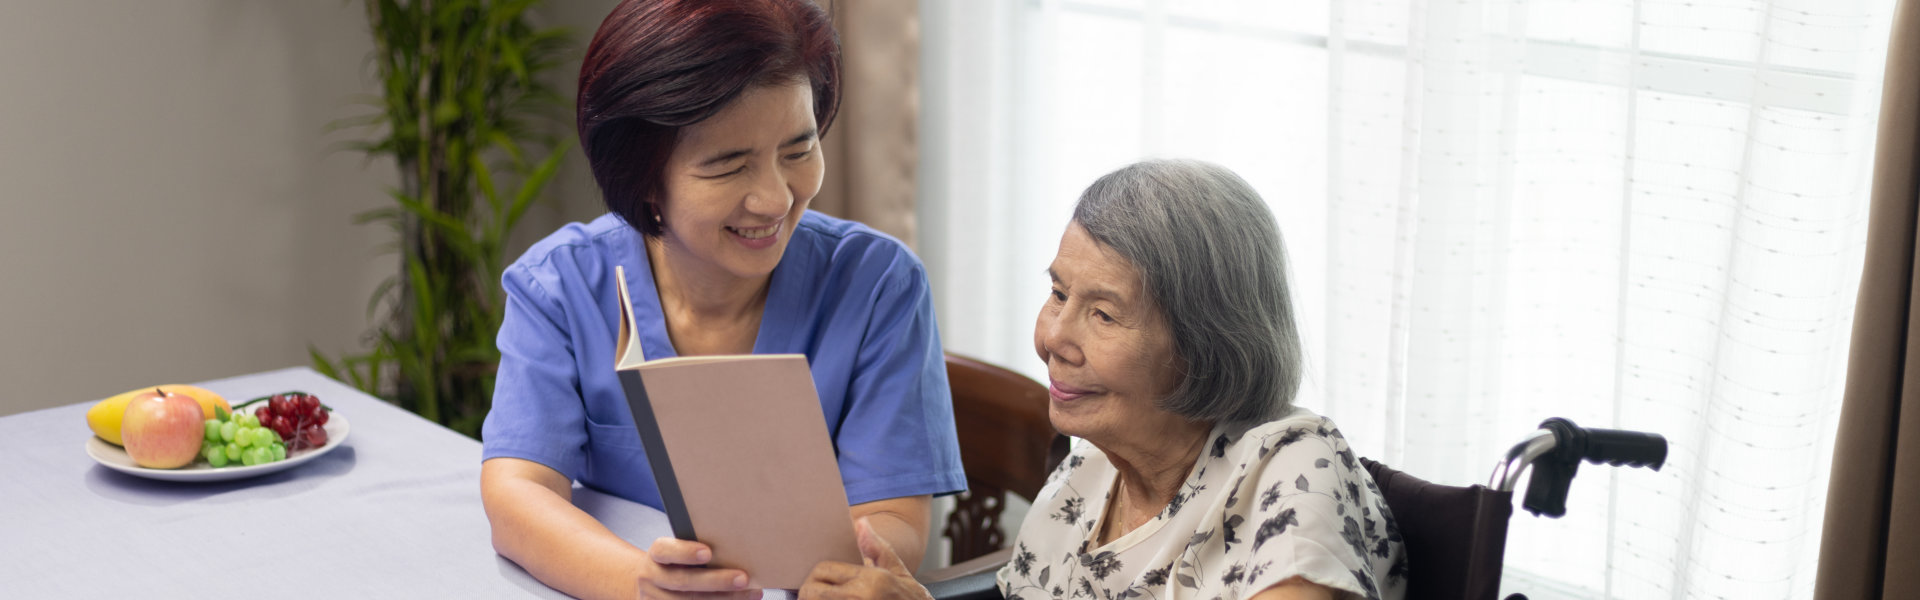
1006,445
1454,536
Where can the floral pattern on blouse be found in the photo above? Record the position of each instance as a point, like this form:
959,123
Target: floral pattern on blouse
1261,505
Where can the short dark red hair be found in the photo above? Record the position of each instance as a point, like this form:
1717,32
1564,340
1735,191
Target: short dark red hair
656,66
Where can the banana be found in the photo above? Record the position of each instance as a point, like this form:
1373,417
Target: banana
104,417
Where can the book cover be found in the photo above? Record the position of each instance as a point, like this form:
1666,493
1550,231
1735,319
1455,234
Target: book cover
740,454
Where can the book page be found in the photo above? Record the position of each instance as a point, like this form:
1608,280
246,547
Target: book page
627,352
707,358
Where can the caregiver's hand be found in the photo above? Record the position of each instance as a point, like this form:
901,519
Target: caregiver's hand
884,576
676,571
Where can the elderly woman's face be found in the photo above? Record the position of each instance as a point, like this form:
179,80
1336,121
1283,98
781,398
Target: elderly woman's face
1109,353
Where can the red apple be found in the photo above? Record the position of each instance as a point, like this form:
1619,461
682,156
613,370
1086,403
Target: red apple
163,430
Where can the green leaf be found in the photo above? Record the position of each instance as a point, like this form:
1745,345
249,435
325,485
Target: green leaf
510,54
424,306
380,293
377,214
530,189
321,364
498,139
484,176
449,228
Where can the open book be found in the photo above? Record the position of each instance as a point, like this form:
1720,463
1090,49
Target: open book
741,456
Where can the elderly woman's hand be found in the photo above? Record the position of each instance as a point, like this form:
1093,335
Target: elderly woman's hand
883,576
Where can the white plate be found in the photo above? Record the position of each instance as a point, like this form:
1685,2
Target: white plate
115,457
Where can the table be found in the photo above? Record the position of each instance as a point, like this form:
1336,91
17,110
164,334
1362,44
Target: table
394,512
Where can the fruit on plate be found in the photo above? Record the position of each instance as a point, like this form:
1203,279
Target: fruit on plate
104,417
240,438
161,429
298,417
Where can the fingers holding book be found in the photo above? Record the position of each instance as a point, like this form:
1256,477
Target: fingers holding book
883,575
675,551
678,571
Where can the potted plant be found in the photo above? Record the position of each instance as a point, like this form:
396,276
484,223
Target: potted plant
465,116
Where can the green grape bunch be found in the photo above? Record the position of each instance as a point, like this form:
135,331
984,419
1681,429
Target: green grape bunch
238,438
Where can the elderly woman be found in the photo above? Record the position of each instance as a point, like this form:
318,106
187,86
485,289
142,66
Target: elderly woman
1172,355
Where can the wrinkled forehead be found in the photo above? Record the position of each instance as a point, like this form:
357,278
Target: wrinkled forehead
1091,268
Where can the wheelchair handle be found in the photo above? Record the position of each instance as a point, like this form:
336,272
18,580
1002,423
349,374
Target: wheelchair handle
1621,448
1555,452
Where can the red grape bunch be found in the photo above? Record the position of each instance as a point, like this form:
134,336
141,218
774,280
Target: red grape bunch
298,418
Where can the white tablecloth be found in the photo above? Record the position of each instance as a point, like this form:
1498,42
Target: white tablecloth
394,512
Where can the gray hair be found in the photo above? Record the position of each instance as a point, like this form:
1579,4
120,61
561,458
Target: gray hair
1212,263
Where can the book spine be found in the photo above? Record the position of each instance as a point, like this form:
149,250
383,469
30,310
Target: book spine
671,501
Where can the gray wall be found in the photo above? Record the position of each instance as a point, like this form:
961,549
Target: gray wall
171,210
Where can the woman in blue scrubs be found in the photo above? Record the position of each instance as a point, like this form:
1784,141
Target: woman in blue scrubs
701,121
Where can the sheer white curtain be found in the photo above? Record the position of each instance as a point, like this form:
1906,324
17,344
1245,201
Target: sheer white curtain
1632,213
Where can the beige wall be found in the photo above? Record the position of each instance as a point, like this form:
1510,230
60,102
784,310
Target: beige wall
170,209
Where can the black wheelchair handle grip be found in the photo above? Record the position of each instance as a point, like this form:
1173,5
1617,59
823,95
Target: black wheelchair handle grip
1625,448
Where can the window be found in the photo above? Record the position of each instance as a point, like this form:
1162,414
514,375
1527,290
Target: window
1636,214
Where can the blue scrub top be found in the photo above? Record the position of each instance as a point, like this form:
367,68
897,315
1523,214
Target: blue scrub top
853,300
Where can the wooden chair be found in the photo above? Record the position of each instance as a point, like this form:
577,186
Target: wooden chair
1006,445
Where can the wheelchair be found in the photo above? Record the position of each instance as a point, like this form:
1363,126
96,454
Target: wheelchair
1455,536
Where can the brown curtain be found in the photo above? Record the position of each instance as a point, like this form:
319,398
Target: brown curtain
872,151
1870,547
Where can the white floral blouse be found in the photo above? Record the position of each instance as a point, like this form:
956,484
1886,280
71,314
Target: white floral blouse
1263,504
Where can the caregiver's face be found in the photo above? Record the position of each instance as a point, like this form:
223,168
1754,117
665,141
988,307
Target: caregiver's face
739,181
1109,352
